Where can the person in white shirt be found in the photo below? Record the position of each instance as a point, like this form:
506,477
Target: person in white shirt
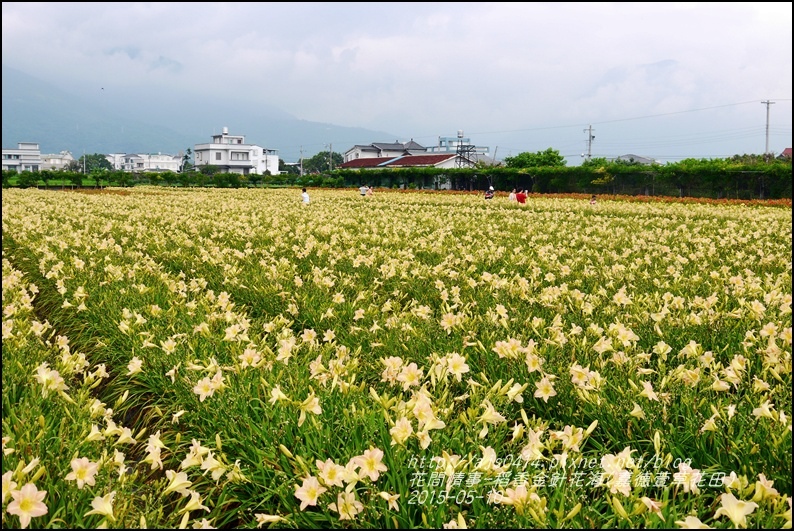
305,197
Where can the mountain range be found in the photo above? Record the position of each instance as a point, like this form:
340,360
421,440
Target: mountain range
157,122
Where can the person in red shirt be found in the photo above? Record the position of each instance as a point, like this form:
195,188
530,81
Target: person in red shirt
521,197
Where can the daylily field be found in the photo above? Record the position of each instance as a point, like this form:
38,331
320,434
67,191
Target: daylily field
204,358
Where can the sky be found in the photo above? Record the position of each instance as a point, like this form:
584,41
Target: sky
663,80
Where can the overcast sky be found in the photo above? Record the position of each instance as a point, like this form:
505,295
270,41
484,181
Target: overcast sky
662,80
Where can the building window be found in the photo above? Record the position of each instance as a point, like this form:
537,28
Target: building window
217,156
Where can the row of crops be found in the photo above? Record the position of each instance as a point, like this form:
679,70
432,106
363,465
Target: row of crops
235,358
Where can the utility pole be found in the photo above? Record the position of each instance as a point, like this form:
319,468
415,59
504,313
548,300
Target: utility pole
301,161
330,157
590,138
766,148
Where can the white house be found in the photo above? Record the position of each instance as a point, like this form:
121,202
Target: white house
56,161
379,150
438,160
231,154
636,159
446,145
144,162
26,157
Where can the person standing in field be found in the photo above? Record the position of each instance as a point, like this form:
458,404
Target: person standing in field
512,196
593,200
370,191
363,190
305,197
489,193
521,197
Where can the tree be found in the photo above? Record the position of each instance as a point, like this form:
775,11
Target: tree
76,178
283,167
169,177
187,163
549,158
208,169
91,163
27,179
319,162
97,175
46,176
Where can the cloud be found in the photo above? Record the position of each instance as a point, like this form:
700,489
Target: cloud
132,52
165,63
428,69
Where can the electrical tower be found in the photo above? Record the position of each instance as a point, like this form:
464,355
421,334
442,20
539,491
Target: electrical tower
766,148
466,152
590,138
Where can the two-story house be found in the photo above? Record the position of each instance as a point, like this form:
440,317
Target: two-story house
56,161
155,162
26,157
231,154
380,150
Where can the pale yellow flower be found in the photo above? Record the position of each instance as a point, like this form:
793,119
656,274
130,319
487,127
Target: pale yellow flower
83,472
262,519
103,505
734,482
95,434
401,431
276,395
764,410
214,466
153,456
691,522
456,523
371,463
410,376
391,499
688,477
202,524
515,392
347,506
545,389
720,385
204,388
764,488
735,509
125,437
309,492
310,405
331,473
134,366
648,392
710,425
489,416
653,506
168,346
637,412
8,485
27,503
194,503
177,482
457,365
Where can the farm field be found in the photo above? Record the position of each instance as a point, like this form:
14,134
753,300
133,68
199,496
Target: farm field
202,358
